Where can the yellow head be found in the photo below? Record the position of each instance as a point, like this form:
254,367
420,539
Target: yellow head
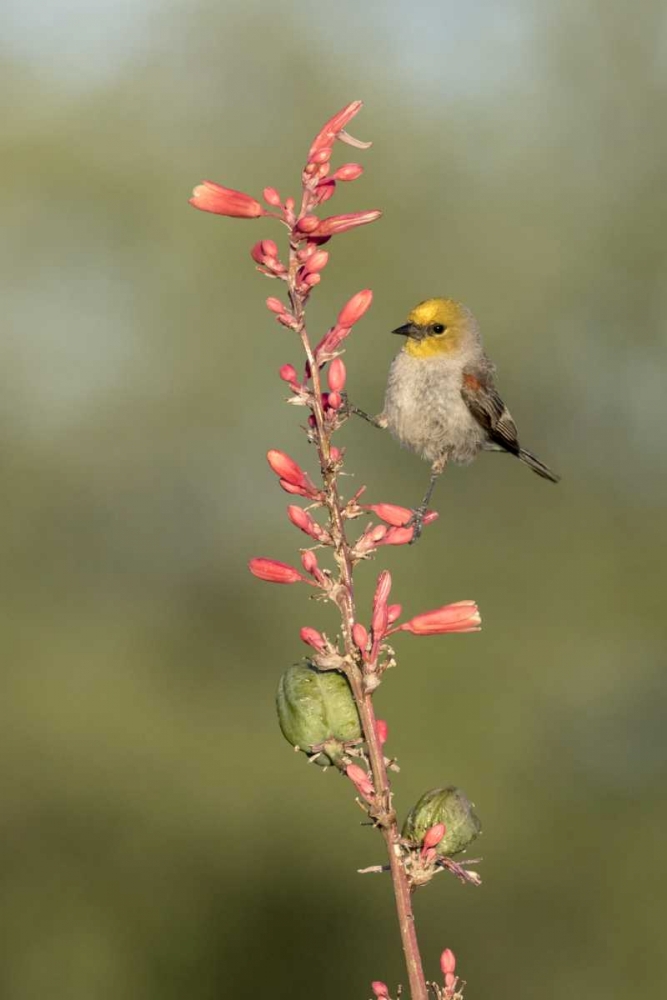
439,327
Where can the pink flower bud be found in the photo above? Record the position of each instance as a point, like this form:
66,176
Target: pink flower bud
360,636
447,961
335,224
301,519
321,156
288,373
334,401
271,197
257,253
394,612
335,453
337,375
316,261
353,310
275,305
325,189
312,638
381,990
330,342
460,617
360,779
299,491
211,197
450,980
308,224
379,618
382,730
287,320
273,571
432,837
310,280
331,129
348,172
286,468
309,562
289,204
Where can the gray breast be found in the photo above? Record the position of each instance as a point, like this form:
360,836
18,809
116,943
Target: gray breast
426,412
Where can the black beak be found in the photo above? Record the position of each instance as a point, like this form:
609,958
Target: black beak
410,330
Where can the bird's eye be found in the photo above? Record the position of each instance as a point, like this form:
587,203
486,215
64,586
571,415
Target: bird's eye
438,328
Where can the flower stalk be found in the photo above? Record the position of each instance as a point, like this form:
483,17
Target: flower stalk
360,655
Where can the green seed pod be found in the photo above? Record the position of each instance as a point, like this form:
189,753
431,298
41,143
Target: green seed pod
443,805
316,708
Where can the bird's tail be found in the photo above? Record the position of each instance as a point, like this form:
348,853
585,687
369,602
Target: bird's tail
539,467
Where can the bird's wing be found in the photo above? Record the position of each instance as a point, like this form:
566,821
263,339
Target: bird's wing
482,399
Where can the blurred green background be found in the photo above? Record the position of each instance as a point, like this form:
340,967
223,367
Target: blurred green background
159,839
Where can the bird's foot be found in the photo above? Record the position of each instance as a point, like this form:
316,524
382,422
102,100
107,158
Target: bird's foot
416,522
347,410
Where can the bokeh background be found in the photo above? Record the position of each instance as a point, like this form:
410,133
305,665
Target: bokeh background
159,839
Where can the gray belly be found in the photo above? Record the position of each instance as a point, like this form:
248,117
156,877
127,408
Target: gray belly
425,411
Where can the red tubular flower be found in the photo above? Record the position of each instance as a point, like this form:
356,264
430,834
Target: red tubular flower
211,197
329,132
312,638
390,513
360,779
335,224
463,616
273,571
355,308
348,172
432,837
337,375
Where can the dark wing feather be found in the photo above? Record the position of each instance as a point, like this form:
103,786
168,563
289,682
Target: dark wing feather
488,409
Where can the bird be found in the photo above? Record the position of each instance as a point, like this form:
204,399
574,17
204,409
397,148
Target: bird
441,400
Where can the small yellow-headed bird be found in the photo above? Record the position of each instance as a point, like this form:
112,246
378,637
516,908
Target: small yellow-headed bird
441,400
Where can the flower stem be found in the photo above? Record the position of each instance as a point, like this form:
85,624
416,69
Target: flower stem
386,816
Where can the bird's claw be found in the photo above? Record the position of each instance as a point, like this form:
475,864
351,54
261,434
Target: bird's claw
416,522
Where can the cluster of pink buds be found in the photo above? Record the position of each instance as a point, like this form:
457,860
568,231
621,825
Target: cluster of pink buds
460,617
